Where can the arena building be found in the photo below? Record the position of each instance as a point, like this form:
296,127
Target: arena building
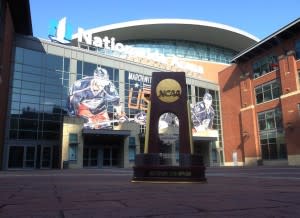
81,101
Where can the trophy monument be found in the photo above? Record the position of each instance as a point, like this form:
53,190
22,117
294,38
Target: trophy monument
168,95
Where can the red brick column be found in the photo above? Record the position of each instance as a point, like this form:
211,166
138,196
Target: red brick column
249,132
289,105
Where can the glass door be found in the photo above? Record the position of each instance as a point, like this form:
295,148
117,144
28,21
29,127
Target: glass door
86,157
106,157
29,157
114,156
90,157
16,155
111,156
22,157
94,157
46,157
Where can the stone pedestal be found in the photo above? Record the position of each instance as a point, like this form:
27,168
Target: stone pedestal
148,168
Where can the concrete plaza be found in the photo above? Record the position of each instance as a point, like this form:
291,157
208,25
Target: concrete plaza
229,192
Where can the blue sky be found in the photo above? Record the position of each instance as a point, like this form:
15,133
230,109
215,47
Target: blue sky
260,18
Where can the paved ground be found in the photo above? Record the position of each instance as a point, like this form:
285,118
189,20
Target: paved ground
229,192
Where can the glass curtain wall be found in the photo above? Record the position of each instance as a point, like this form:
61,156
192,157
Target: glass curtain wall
183,49
39,90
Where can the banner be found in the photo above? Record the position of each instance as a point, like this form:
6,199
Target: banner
90,98
95,98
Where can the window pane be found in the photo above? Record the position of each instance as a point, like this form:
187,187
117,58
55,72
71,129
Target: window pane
30,157
73,152
276,92
50,135
270,123
267,95
30,85
54,62
13,134
19,55
131,153
262,125
32,58
73,138
27,124
259,98
24,134
268,91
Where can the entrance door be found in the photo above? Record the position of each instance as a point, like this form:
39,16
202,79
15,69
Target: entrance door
203,148
30,157
111,156
16,155
21,157
90,157
106,156
94,157
46,155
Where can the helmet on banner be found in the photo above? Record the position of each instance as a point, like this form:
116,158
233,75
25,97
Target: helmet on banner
207,96
101,73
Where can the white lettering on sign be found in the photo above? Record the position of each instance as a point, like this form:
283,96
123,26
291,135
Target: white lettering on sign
188,66
139,78
99,42
110,43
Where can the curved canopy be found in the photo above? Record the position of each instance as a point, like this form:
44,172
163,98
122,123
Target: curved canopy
177,29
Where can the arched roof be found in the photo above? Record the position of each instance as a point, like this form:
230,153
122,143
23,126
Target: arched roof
177,29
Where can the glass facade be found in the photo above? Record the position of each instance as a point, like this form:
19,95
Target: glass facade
39,93
271,135
265,65
182,49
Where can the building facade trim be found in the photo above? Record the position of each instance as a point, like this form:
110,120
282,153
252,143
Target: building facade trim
250,107
290,94
191,30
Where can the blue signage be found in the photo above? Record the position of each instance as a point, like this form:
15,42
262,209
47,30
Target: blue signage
60,31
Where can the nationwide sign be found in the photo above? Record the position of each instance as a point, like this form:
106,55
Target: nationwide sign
111,44
61,32
99,42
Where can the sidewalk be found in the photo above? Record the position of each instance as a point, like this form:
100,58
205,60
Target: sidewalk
253,192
